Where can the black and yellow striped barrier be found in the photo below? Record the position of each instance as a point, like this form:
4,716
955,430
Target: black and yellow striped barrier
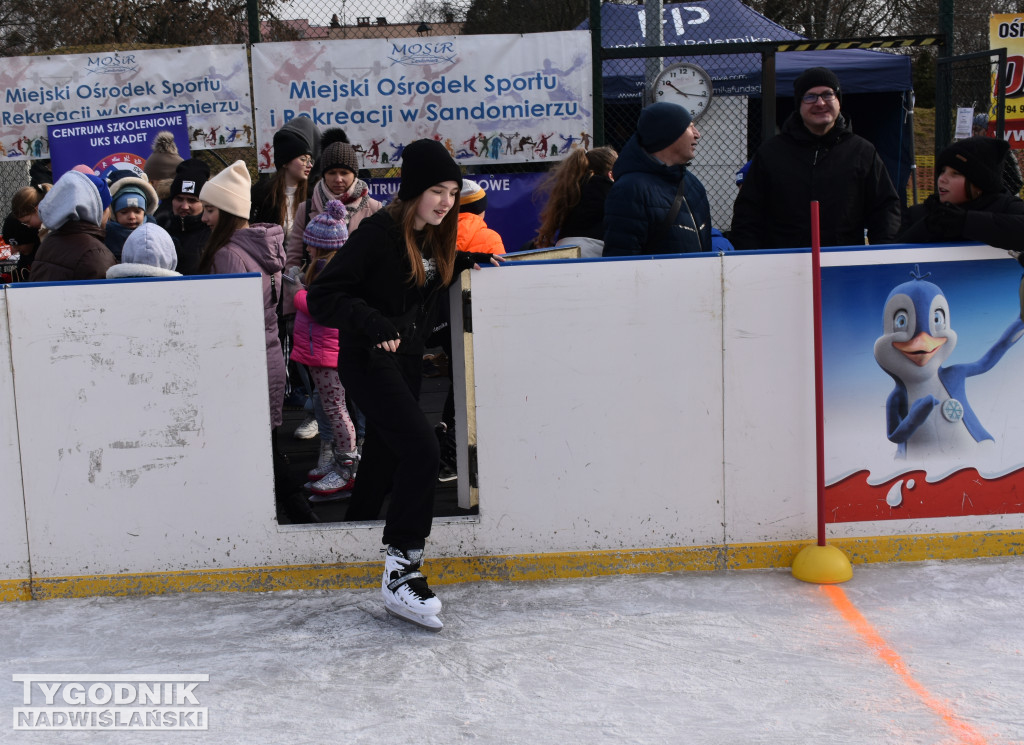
877,43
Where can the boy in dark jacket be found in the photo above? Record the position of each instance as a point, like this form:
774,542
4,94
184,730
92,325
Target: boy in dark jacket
970,202
182,215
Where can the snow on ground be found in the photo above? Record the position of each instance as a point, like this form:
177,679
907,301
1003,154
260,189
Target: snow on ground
718,658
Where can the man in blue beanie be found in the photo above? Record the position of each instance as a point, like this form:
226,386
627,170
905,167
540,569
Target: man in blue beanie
656,206
816,157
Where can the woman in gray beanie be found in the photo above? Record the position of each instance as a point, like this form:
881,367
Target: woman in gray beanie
275,199
381,293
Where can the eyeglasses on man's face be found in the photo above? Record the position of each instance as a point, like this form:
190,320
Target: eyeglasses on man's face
826,97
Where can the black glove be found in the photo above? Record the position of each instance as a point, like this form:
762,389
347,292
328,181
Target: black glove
946,221
380,329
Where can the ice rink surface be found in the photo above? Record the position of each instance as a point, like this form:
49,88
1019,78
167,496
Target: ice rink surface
929,653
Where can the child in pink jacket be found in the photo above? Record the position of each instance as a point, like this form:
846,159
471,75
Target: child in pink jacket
316,347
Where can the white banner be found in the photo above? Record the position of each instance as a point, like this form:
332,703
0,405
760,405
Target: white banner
210,83
491,99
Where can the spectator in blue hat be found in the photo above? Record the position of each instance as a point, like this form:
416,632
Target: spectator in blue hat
133,201
75,211
656,206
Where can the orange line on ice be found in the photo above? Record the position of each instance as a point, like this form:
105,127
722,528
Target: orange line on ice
890,657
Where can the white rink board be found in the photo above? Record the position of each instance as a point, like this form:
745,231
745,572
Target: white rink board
144,422
620,404
14,563
769,409
598,391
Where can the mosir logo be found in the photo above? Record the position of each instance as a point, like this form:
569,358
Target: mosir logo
111,64
422,52
110,702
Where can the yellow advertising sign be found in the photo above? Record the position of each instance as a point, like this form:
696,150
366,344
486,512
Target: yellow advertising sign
1007,30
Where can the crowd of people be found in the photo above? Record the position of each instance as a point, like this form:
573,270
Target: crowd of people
355,291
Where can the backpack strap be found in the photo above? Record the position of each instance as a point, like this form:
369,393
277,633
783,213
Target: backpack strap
677,205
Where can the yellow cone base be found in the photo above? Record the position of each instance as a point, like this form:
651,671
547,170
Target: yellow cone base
824,565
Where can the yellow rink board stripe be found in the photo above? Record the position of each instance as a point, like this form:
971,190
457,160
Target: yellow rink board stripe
519,567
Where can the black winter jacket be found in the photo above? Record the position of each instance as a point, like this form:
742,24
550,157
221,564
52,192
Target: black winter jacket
586,218
190,235
839,170
639,202
366,294
995,219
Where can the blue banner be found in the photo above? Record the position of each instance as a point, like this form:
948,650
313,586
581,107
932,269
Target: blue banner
106,145
511,211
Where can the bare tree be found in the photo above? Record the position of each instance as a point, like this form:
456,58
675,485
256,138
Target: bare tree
524,16
442,11
52,25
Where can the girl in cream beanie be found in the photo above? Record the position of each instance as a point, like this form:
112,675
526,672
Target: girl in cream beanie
236,247
229,190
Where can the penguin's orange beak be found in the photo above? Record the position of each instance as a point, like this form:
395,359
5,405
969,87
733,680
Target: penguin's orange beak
921,348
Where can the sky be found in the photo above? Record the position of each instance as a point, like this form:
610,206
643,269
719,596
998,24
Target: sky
319,12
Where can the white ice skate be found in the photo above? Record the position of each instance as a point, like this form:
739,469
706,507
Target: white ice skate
406,595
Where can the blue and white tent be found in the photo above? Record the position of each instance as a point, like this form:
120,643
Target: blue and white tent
877,86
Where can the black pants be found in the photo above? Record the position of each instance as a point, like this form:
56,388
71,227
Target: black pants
400,454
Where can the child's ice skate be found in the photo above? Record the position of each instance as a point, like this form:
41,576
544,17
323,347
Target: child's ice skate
405,590
339,480
324,462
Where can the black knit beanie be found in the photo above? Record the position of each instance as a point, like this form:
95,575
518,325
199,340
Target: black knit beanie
189,177
291,142
425,163
661,124
979,159
339,155
812,78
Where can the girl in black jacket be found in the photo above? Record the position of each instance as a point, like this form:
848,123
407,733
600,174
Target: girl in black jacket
576,191
381,293
970,202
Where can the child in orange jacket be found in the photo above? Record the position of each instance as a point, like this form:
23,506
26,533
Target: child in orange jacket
474,235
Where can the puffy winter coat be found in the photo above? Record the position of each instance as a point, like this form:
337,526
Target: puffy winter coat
313,344
73,251
474,235
839,170
639,203
995,219
260,248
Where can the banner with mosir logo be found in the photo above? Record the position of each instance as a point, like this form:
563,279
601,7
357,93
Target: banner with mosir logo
504,98
209,83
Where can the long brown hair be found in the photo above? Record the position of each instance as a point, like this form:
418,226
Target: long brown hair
564,186
434,241
221,234
281,200
315,254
